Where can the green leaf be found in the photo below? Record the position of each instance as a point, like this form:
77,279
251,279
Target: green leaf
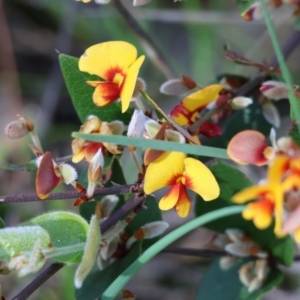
294,134
155,144
14,240
219,284
96,283
244,5
65,229
82,94
231,180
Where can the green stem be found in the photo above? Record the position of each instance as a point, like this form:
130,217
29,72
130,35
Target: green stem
294,101
63,250
154,144
112,291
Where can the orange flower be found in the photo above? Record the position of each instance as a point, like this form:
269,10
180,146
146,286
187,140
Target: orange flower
269,197
84,149
175,170
117,63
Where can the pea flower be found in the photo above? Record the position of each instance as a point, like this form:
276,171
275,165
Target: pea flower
117,64
50,174
175,170
85,149
269,198
187,111
250,147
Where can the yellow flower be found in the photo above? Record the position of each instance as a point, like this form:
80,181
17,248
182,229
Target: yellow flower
186,113
269,197
117,64
175,170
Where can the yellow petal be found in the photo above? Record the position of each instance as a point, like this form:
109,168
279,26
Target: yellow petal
203,97
181,115
297,235
129,83
277,168
261,212
250,193
171,198
100,59
183,205
78,156
278,200
200,179
164,171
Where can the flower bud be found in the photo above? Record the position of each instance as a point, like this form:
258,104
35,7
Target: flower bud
148,231
254,284
68,173
271,114
94,172
245,273
210,129
140,2
173,87
140,83
226,262
106,206
274,90
235,234
90,252
253,13
16,130
137,124
240,102
128,295
102,1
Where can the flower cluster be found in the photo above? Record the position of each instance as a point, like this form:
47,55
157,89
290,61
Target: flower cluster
278,195
189,109
238,245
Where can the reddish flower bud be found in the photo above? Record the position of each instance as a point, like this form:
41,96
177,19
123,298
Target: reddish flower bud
189,82
210,129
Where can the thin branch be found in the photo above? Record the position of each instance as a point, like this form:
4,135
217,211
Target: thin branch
55,267
38,281
288,47
121,212
152,51
253,84
23,198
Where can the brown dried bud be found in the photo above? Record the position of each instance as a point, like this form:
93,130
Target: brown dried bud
16,130
28,124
